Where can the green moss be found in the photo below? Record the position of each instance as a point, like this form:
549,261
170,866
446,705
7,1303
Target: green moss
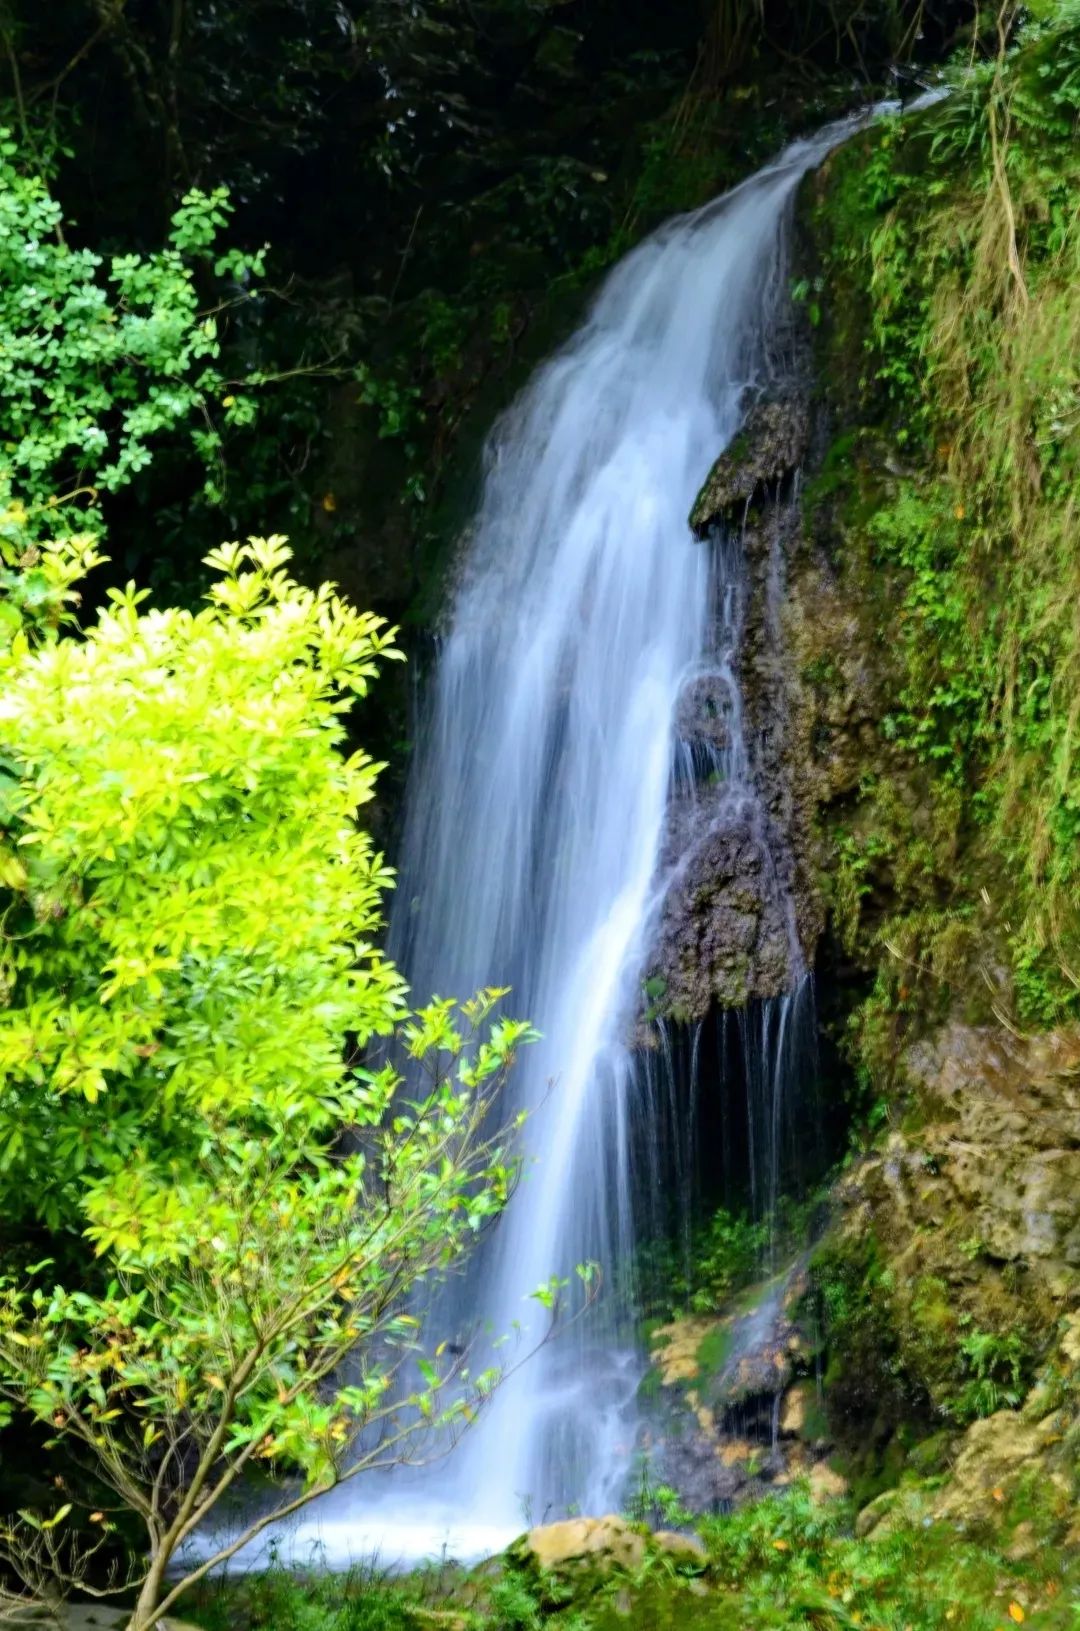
651,1386
714,1350
947,501
815,1425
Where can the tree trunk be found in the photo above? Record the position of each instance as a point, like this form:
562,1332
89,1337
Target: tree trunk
142,1615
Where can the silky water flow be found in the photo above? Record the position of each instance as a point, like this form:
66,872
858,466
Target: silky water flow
536,816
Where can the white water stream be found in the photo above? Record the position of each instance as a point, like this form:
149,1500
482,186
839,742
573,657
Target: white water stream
536,818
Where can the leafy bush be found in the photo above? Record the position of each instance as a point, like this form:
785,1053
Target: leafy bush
728,1254
101,357
187,1073
699,1273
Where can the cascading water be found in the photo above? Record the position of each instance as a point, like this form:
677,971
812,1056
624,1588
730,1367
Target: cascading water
537,819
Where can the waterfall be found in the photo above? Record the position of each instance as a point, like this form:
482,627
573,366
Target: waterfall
537,816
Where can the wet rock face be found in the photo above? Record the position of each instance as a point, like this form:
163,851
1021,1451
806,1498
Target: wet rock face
703,713
733,1420
723,936
741,912
768,449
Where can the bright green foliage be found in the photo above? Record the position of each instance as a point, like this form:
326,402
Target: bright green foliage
728,1252
243,1282
37,581
718,1257
789,1564
996,1365
781,1564
189,986
100,357
723,1254
189,906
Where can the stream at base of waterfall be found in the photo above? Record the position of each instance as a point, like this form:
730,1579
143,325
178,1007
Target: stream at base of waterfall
537,808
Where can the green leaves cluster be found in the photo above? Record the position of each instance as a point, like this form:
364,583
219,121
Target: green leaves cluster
188,903
101,358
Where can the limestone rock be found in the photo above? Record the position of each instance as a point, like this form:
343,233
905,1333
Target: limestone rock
994,1454
770,446
713,1433
743,909
826,1484
571,1558
793,1409
685,1551
574,1545
723,936
677,1348
970,1207
702,712
764,1340
874,1513
1013,1140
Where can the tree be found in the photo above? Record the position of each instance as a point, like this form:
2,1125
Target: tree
101,358
191,1012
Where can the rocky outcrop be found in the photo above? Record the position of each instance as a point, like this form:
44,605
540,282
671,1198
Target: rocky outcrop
956,1243
741,912
999,1152
768,450
731,1420
956,1248
724,934
1028,1457
568,1561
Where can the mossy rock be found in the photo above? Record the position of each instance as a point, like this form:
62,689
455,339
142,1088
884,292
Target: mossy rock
571,1560
769,447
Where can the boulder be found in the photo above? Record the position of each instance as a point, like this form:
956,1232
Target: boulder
574,1547
570,1559
684,1551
